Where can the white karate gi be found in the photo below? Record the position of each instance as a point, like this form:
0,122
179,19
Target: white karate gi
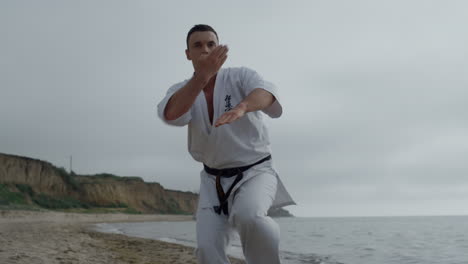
243,142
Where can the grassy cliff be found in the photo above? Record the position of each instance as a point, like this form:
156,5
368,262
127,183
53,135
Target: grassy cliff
27,183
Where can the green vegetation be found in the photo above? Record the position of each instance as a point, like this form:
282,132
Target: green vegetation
15,197
173,207
29,197
28,207
23,197
17,200
131,211
110,205
8,197
25,189
101,210
115,177
54,203
69,178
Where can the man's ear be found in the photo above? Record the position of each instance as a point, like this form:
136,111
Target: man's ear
187,54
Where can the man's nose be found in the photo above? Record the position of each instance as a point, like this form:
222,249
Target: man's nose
206,49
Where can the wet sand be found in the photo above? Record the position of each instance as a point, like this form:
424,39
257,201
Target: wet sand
67,238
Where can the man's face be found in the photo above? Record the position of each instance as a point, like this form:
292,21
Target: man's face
200,43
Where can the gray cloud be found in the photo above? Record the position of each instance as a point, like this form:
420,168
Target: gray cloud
374,93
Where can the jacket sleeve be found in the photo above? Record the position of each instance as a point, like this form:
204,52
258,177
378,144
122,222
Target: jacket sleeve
183,119
251,80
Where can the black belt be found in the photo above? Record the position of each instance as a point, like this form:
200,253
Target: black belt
228,173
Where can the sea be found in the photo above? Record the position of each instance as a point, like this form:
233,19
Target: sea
339,240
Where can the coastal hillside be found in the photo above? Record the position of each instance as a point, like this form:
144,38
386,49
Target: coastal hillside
32,183
35,183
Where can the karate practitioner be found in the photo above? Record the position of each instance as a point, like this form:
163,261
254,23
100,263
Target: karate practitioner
224,108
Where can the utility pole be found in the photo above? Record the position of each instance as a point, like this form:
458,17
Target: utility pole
71,163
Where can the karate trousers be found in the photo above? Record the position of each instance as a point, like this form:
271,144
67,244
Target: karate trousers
259,234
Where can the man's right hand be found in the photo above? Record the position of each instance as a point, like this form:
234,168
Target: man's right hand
209,64
206,66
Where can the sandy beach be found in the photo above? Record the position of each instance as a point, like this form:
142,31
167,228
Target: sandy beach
67,238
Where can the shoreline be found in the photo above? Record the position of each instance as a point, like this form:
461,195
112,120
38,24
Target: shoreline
59,237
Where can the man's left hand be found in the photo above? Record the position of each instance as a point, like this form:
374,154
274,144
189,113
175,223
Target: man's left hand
231,116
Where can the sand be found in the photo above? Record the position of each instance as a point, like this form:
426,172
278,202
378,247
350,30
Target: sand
68,238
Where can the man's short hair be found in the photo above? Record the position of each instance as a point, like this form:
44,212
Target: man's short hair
200,27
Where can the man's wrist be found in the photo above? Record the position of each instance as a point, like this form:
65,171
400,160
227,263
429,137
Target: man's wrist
242,106
202,76
201,79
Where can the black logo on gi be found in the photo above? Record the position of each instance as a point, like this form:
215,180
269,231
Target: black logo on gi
228,105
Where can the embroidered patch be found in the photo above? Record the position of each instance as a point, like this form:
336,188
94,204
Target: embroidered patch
227,105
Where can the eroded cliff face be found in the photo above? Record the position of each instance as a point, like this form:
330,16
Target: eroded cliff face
42,176
140,195
99,190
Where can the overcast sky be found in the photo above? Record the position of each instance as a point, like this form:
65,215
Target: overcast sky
375,94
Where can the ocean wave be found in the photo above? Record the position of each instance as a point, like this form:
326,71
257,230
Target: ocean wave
291,257
107,228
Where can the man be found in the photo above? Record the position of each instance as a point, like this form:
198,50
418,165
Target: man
222,108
